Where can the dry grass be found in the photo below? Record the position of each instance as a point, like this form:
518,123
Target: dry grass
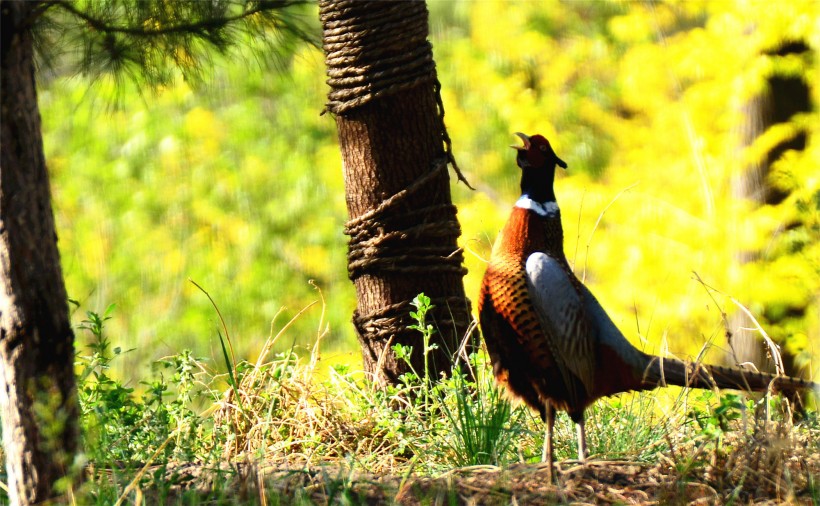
279,435
774,468
301,441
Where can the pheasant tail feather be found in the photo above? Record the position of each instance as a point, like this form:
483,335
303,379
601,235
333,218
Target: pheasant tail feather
664,371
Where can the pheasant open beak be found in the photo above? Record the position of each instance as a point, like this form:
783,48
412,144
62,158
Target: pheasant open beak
526,146
526,140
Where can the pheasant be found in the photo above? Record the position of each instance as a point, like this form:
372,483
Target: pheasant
549,340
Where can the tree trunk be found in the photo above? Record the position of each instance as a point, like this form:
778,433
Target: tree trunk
37,386
403,228
784,97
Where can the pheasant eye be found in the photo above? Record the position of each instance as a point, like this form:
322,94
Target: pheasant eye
543,148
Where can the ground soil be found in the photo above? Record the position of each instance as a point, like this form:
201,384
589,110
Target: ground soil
596,482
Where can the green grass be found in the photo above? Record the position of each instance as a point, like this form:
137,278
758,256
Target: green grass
276,431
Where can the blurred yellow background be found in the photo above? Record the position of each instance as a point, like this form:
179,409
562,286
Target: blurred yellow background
237,183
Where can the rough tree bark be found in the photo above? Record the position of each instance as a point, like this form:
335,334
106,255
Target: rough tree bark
784,97
37,386
403,228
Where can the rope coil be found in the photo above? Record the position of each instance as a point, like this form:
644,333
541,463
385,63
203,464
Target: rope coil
390,320
382,241
364,56
376,49
379,243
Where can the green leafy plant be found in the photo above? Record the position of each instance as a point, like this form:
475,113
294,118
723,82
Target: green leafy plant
422,304
715,422
479,416
121,426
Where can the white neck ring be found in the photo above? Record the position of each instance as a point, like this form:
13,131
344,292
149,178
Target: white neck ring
549,208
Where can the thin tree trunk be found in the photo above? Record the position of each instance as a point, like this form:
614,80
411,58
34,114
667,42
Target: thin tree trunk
37,386
391,138
784,97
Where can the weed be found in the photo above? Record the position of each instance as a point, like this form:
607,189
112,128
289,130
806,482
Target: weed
122,431
483,425
422,304
626,427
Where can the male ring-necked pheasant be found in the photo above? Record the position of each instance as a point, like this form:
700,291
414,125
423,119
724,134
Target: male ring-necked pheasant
549,339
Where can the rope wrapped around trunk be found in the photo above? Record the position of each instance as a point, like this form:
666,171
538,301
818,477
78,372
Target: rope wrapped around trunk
387,240
364,50
375,49
365,56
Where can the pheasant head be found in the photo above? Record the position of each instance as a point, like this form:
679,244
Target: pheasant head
537,161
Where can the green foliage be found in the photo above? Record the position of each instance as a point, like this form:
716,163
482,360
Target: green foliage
151,42
121,426
483,430
472,415
638,435
714,422
146,199
422,304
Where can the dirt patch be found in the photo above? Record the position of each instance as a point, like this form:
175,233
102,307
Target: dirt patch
595,482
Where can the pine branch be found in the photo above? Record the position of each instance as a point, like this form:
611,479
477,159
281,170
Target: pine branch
203,27
148,41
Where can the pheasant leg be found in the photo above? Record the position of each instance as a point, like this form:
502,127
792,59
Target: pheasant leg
582,441
547,451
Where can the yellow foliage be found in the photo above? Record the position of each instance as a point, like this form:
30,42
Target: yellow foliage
662,112
204,128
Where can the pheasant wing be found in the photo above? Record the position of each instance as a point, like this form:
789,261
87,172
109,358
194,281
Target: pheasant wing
562,314
607,334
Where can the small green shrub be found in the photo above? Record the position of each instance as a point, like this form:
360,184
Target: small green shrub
123,427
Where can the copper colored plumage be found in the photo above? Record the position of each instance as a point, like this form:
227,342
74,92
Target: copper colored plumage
550,341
